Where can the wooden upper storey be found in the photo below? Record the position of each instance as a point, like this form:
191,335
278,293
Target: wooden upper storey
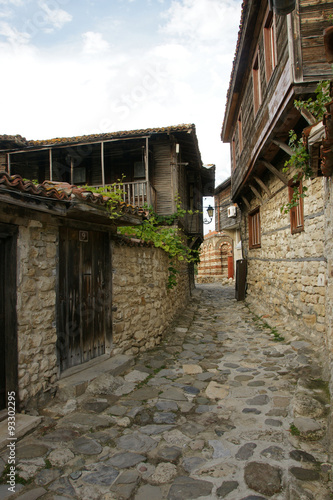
278,59
157,164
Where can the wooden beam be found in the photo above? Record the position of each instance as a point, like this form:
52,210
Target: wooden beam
284,147
275,171
246,202
102,164
72,170
308,116
255,192
263,186
50,163
147,173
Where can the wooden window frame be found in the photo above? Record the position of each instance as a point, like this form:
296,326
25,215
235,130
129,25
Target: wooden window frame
296,213
270,45
254,228
256,83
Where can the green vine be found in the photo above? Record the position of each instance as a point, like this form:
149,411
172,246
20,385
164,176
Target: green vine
299,162
114,192
316,107
163,233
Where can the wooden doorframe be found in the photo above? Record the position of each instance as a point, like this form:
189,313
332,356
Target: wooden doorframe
8,236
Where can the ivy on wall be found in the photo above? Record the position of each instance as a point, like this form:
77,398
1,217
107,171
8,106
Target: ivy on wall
299,162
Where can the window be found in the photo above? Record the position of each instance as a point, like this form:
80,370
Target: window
79,175
240,132
139,170
254,229
296,213
269,45
256,84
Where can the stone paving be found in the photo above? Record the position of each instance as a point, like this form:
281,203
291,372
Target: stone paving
222,409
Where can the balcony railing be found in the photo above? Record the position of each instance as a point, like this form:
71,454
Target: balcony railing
138,193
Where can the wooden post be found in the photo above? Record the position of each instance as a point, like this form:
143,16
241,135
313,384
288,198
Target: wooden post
147,174
72,170
8,163
102,163
50,163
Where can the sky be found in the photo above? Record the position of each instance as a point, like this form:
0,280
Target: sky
76,67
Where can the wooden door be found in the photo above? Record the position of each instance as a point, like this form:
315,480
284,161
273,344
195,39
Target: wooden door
8,333
84,319
2,327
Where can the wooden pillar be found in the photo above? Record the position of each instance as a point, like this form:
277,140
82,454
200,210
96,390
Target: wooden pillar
50,163
147,173
102,163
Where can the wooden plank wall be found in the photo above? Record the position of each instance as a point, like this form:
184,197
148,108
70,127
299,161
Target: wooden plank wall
314,18
163,179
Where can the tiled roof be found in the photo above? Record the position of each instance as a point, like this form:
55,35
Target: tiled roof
240,32
64,192
233,69
112,135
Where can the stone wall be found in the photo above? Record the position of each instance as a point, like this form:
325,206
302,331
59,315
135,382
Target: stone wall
329,275
286,276
144,305
36,300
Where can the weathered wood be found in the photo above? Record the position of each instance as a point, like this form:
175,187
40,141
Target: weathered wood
256,192
84,295
275,171
8,328
308,116
263,185
50,164
287,149
246,202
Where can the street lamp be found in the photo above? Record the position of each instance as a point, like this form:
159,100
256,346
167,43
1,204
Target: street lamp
210,213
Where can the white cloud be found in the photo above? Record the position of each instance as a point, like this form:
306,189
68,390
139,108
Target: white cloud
97,85
93,43
202,21
16,3
12,35
56,18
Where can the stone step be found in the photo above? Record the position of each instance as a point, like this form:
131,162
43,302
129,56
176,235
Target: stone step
73,383
23,425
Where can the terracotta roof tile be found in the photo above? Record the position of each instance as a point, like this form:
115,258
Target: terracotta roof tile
112,135
63,191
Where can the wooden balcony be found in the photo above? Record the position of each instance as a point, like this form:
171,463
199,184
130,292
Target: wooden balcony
139,193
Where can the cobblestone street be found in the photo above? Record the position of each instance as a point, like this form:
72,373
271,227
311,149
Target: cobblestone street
223,408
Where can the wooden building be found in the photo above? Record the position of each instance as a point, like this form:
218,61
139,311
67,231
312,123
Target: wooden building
279,58
155,166
67,277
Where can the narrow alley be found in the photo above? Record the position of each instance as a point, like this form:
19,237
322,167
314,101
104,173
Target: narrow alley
224,408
